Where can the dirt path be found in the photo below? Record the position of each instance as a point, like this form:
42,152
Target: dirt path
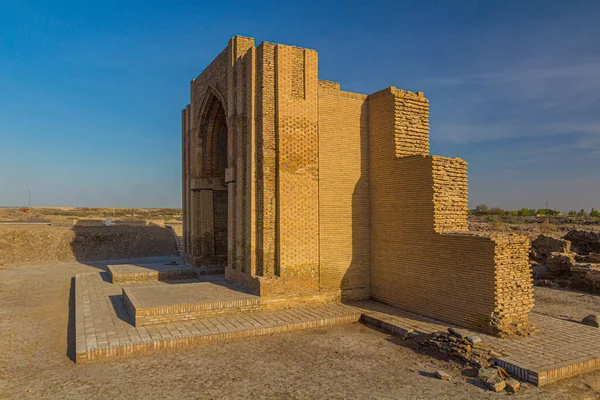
350,361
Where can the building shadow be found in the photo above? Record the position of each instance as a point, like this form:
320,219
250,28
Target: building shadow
71,323
356,278
93,244
119,307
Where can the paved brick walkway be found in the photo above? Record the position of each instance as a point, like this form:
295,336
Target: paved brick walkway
560,349
104,329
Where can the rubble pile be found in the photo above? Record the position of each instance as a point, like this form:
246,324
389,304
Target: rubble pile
498,380
459,344
572,262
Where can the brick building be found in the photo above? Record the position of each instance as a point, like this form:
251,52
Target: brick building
301,190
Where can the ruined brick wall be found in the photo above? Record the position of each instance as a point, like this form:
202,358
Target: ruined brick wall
343,191
450,194
513,291
417,200
336,192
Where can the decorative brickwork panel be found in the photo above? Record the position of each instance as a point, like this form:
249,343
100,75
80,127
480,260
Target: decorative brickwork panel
298,71
298,168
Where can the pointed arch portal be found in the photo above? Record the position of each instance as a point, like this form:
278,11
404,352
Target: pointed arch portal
212,192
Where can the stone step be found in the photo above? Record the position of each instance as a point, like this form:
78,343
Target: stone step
133,273
150,305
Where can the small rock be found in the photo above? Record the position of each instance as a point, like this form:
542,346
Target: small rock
487,373
443,375
502,373
459,333
512,385
591,320
497,385
474,339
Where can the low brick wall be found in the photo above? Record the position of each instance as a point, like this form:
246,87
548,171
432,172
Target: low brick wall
26,244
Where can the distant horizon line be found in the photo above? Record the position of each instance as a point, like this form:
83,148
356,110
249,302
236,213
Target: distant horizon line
180,208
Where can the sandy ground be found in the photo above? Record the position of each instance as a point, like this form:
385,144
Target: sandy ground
567,305
346,362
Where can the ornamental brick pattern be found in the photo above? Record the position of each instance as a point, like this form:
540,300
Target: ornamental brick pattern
327,191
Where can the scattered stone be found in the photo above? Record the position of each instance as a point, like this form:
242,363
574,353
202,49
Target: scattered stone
474,339
502,373
459,333
512,385
486,374
591,320
443,375
469,351
497,379
495,354
497,384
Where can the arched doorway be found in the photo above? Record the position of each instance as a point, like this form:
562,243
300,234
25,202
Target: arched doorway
213,193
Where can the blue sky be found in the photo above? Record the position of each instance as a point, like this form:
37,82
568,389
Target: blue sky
91,92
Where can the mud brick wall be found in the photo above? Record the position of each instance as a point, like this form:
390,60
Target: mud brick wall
514,294
411,123
416,264
343,191
449,194
28,244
